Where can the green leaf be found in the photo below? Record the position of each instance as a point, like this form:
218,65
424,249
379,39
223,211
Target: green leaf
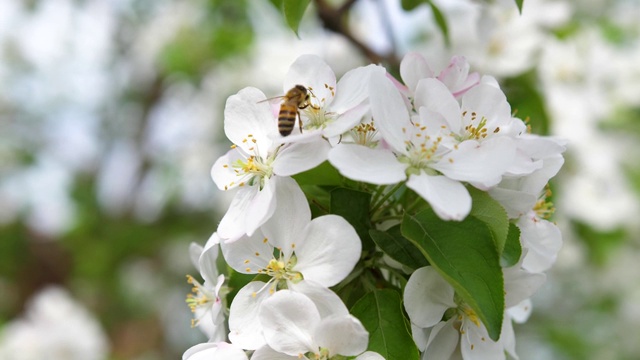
512,247
523,93
381,314
398,247
520,3
412,4
277,3
293,12
464,254
489,211
440,21
353,206
323,174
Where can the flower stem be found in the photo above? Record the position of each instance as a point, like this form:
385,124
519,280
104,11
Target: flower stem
386,197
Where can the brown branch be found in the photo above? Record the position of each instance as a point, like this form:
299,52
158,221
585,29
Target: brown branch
333,19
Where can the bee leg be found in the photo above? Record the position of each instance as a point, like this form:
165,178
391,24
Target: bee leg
300,122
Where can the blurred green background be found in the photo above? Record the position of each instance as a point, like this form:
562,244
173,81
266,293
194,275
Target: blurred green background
111,117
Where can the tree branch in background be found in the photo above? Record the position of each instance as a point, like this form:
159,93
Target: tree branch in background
333,19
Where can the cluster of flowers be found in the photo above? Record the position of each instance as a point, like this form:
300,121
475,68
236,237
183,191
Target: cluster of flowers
435,134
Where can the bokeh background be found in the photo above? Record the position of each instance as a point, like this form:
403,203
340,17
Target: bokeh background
111,116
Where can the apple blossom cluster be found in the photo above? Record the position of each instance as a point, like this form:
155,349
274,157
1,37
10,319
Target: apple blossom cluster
421,196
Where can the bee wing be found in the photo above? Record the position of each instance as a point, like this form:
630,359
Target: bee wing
272,99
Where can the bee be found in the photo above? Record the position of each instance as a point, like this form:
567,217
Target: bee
297,98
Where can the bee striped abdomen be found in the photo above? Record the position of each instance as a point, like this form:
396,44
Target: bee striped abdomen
287,119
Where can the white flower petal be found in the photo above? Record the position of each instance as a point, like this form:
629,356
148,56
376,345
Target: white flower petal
427,296
443,340
248,254
342,335
414,67
249,209
214,351
267,353
369,355
195,250
488,102
375,166
288,319
516,203
476,344
300,156
290,217
520,284
353,88
246,113
346,121
543,241
326,301
312,72
223,174
389,111
481,163
508,337
245,330
435,96
328,251
520,313
420,336
448,198
208,258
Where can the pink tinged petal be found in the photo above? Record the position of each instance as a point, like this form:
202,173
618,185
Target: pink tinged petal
427,296
245,330
248,254
267,353
301,156
375,166
521,312
290,217
214,351
369,355
328,250
434,95
246,113
346,121
222,172
488,102
414,67
476,344
326,301
342,335
288,319
312,72
520,284
443,340
449,198
481,163
456,76
389,112
543,241
353,88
